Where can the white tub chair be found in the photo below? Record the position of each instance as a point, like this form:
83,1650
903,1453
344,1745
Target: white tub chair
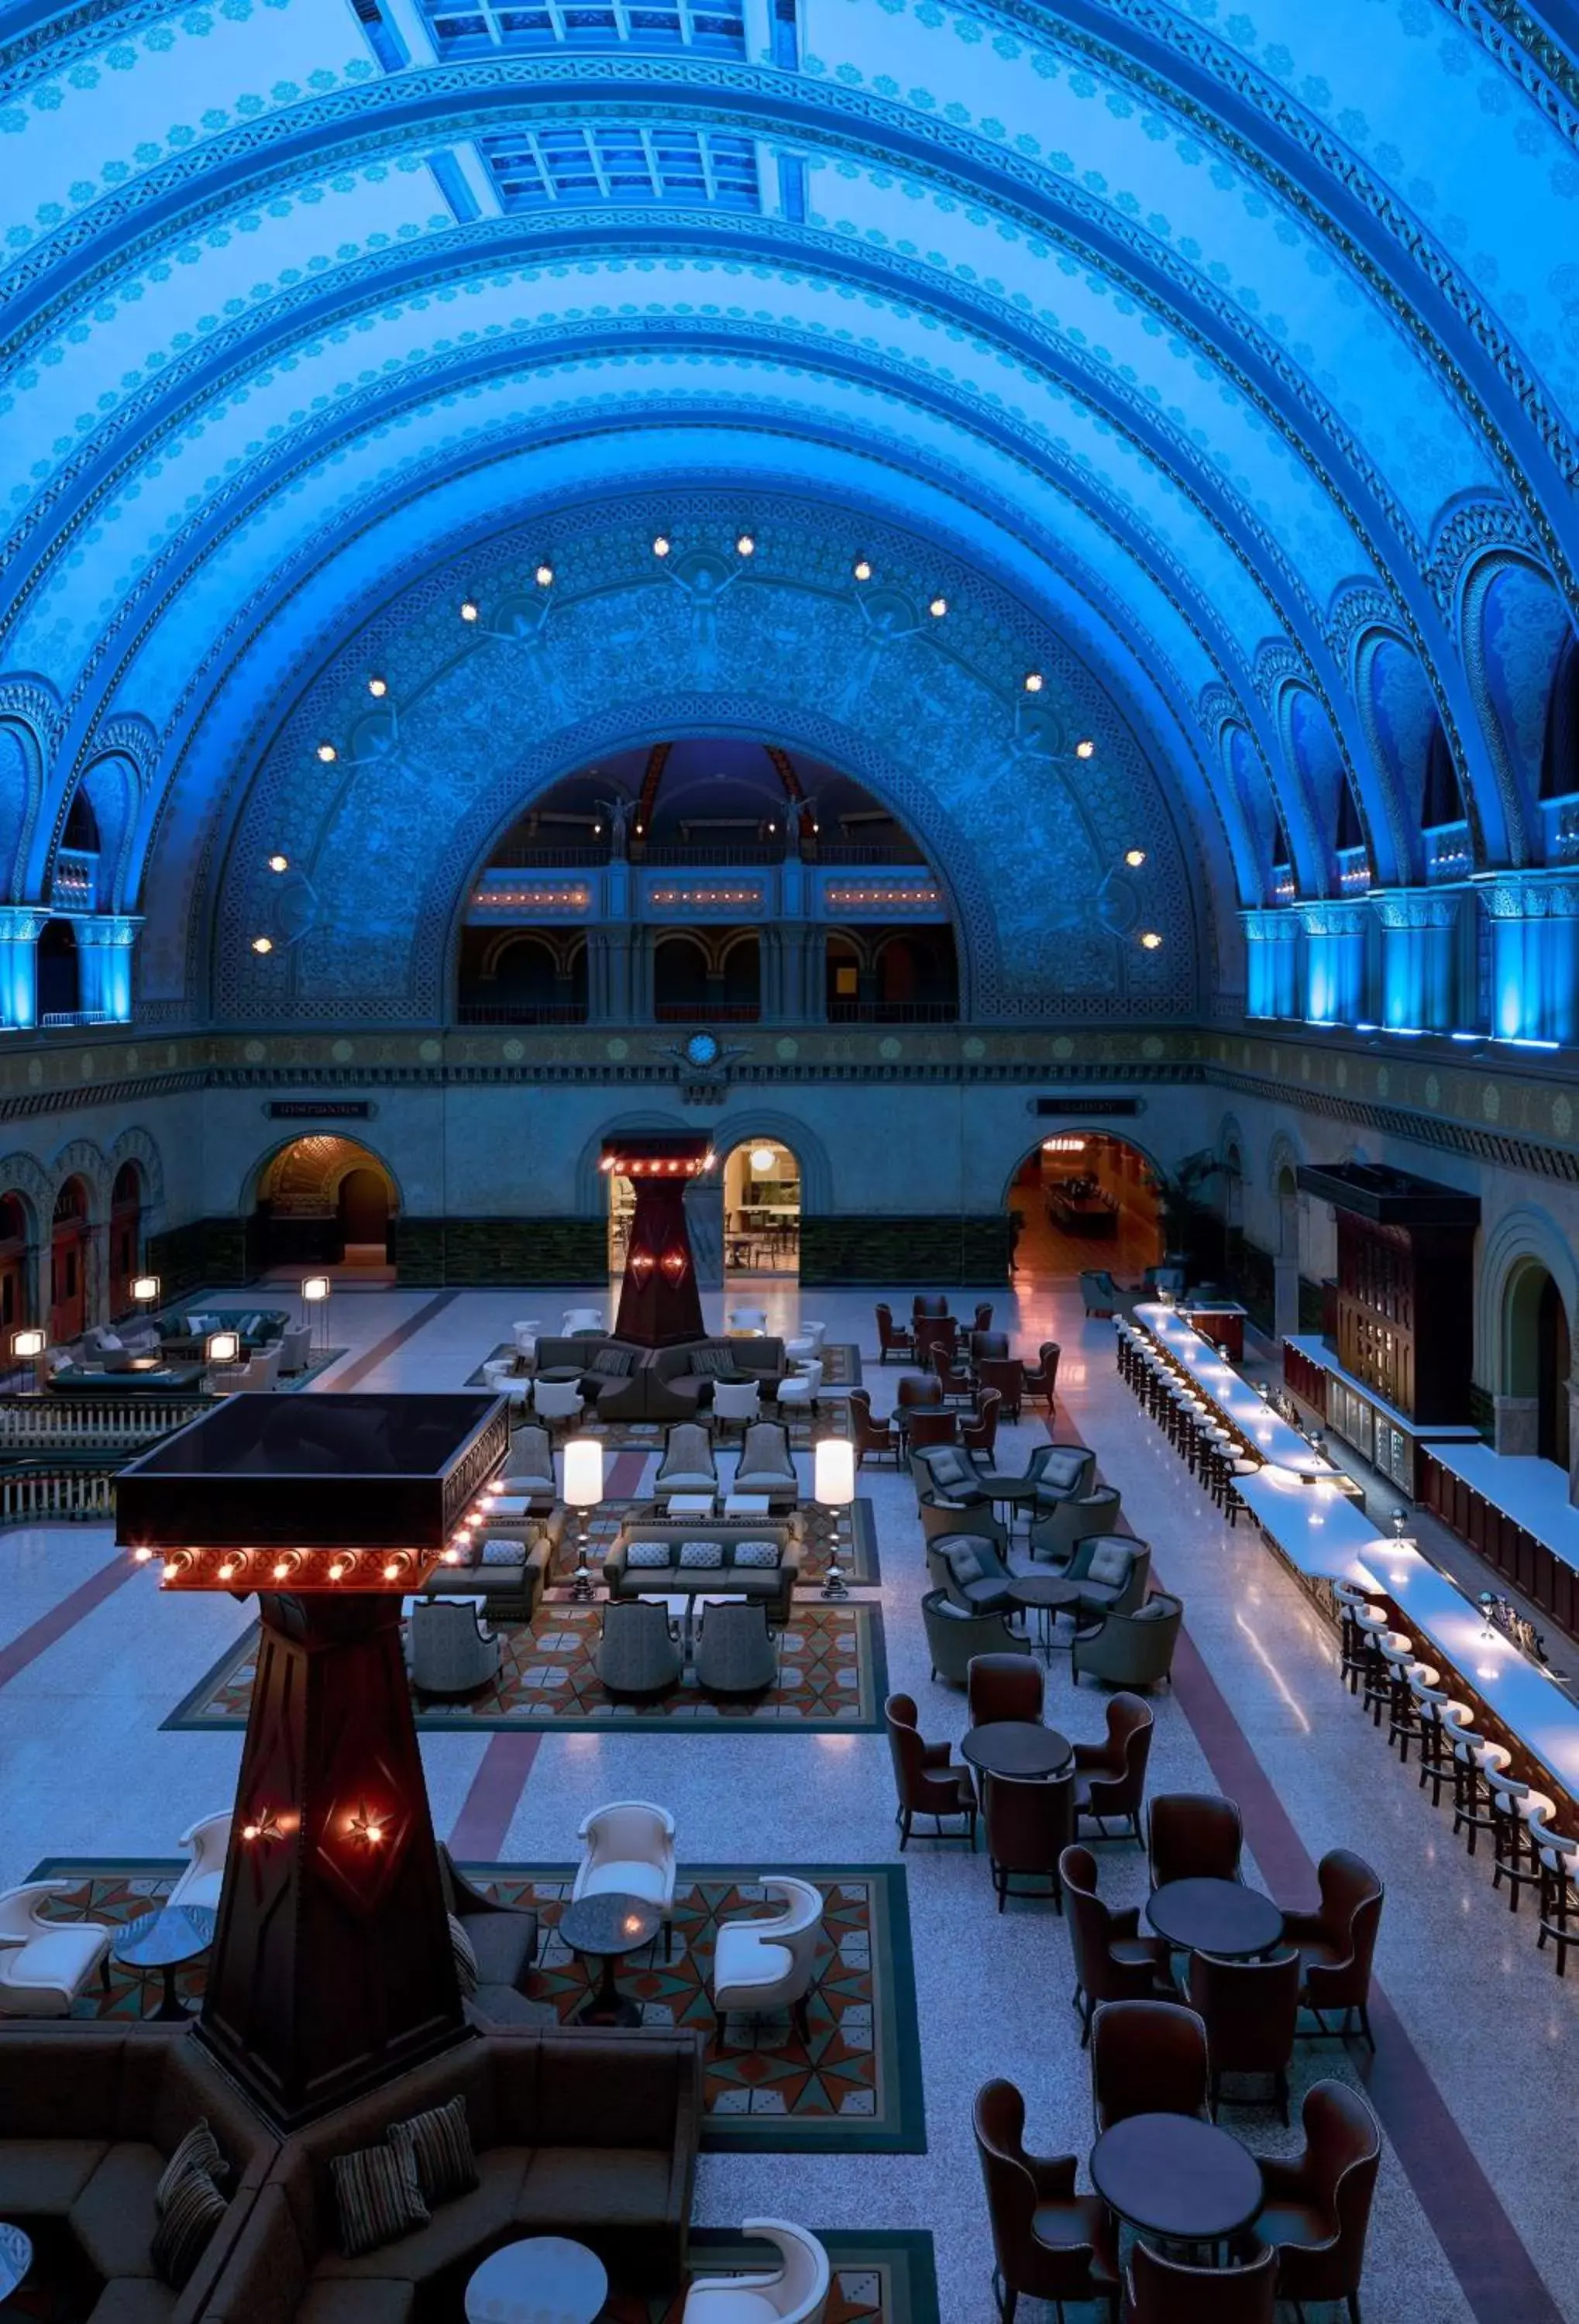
45,1964
629,1851
736,1404
796,2294
206,1844
558,1401
748,1319
525,1335
582,1319
807,1343
760,1967
799,1390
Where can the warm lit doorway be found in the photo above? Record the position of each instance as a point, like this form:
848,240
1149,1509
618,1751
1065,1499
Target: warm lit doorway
324,1201
1083,1199
762,1209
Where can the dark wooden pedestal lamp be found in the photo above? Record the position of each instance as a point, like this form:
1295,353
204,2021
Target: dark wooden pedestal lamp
331,1970
660,1303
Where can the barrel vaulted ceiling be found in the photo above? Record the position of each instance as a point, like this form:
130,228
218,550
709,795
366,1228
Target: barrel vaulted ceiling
1237,348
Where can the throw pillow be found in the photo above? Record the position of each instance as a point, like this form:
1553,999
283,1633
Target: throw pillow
465,1959
108,1340
756,1553
613,1363
1060,1469
1155,1609
440,2145
377,2196
1110,1565
701,1553
949,1610
198,2151
499,1549
712,1363
947,1466
647,1557
194,2211
964,1564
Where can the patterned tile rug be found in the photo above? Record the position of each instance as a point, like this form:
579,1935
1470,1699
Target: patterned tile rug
833,1678
878,2278
855,2085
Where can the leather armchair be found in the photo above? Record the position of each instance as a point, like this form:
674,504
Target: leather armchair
207,1843
628,1847
874,1436
954,1637
1195,1836
1006,1375
762,1966
1162,2290
1004,1686
44,1963
1147,2057
1058,1532
1041,1377
1130,1650
1113,1960
929,1427
952,1378
796,2294
1337,1942
988,1346
1316,2208
1030,1822
947,1471
979,1432
1110,1776
927,1783
970,1572
1048,2243
941,1516
1113,1570
981,1321
892,1341
1249,2009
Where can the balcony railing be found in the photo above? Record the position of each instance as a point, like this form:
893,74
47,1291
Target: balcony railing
707,1013
53,1017
522,1012
716,855
894,1013
1448,852
547,855
842,851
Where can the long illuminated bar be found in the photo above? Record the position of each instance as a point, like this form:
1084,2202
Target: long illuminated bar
1233,1398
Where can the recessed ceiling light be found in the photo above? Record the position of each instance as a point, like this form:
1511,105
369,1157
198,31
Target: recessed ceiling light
660,546
863,569
1085,750
378,687
938,608
1033,681
1151,941
468,609
328,753
279,863
1134,857
263,944
545,576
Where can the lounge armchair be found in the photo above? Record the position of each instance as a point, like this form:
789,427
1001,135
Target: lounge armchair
892,1341
1060,1472
1113,1960
763,1966
765,1463
970,1572
687,1465
1030,1822
1130,1650
928,1782
1048,2243
1147,2057
558,1401
261,1370
1337,1942
207,1843
736,1403
795,2293
874,1436
1317,2206
1099,1292
1195,1836
799,1390
939,1517
451,1652
638,1653
528,1465
1113,1570
628,1850
978,1431
580,1319
1058,1532
948,1471
1110,1776
1041,1377
1006,1374
735,1653
1160,2290
956,1636
45,1963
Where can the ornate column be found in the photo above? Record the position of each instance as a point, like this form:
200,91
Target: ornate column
1335,962
1271,941
1535,957
1419,964
658,1300
103,956
20,926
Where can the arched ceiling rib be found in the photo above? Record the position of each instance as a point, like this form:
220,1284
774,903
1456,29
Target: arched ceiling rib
1232,320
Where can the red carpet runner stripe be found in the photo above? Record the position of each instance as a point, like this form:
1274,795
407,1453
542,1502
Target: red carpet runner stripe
49,1627
1494,2269
356,1373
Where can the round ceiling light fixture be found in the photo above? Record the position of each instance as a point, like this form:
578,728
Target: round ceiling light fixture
1034,681
263,944
279,863
660,546
1134,857
764,1158
328,753
1085,750
745,546
938,608
378,687
544,577
1151,941
863,569
468,609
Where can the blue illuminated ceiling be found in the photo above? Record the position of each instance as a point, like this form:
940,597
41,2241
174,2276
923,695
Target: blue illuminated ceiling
1242,350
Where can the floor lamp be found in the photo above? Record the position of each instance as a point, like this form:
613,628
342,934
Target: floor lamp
315,1293
582,1493
834,1486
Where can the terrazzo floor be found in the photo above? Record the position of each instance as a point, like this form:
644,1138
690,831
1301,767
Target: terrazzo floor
1480,2033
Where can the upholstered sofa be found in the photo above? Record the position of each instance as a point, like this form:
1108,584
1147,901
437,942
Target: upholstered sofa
577,2133
771,1585
679,1380
613,1372
90,2113
184,1332
508,1567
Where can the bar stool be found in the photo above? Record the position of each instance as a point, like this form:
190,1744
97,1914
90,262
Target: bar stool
1403,1722
1440,1718
1517,1858
1375,1684
1351,1597
1559,1877
1239,1464
1477,1761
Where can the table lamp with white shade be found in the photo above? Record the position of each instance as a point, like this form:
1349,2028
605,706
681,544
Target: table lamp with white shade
583,1491
834,1488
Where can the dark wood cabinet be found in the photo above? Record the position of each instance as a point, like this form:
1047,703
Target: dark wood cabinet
1405,1286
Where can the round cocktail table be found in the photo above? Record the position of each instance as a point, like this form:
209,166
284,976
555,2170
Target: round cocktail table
1017,1747
1173,2176
1044,1594
1221,1917
542,2279
560,1375
15,2257
604,1927
167,1939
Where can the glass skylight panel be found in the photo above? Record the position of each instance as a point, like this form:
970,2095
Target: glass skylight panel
623,162
471,27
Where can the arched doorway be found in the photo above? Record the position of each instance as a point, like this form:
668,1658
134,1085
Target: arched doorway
1540,1357
125,1236
323,1202
762,1209
15,1239
68,1262
1083,1198
59,979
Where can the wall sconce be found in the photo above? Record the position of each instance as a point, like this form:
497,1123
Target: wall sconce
640,1263
365,1827
674,1264
285,1565
263,1828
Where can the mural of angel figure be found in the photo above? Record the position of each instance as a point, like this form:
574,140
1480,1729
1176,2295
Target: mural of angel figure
619,811
887,618
1039,732
523,623
702,577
